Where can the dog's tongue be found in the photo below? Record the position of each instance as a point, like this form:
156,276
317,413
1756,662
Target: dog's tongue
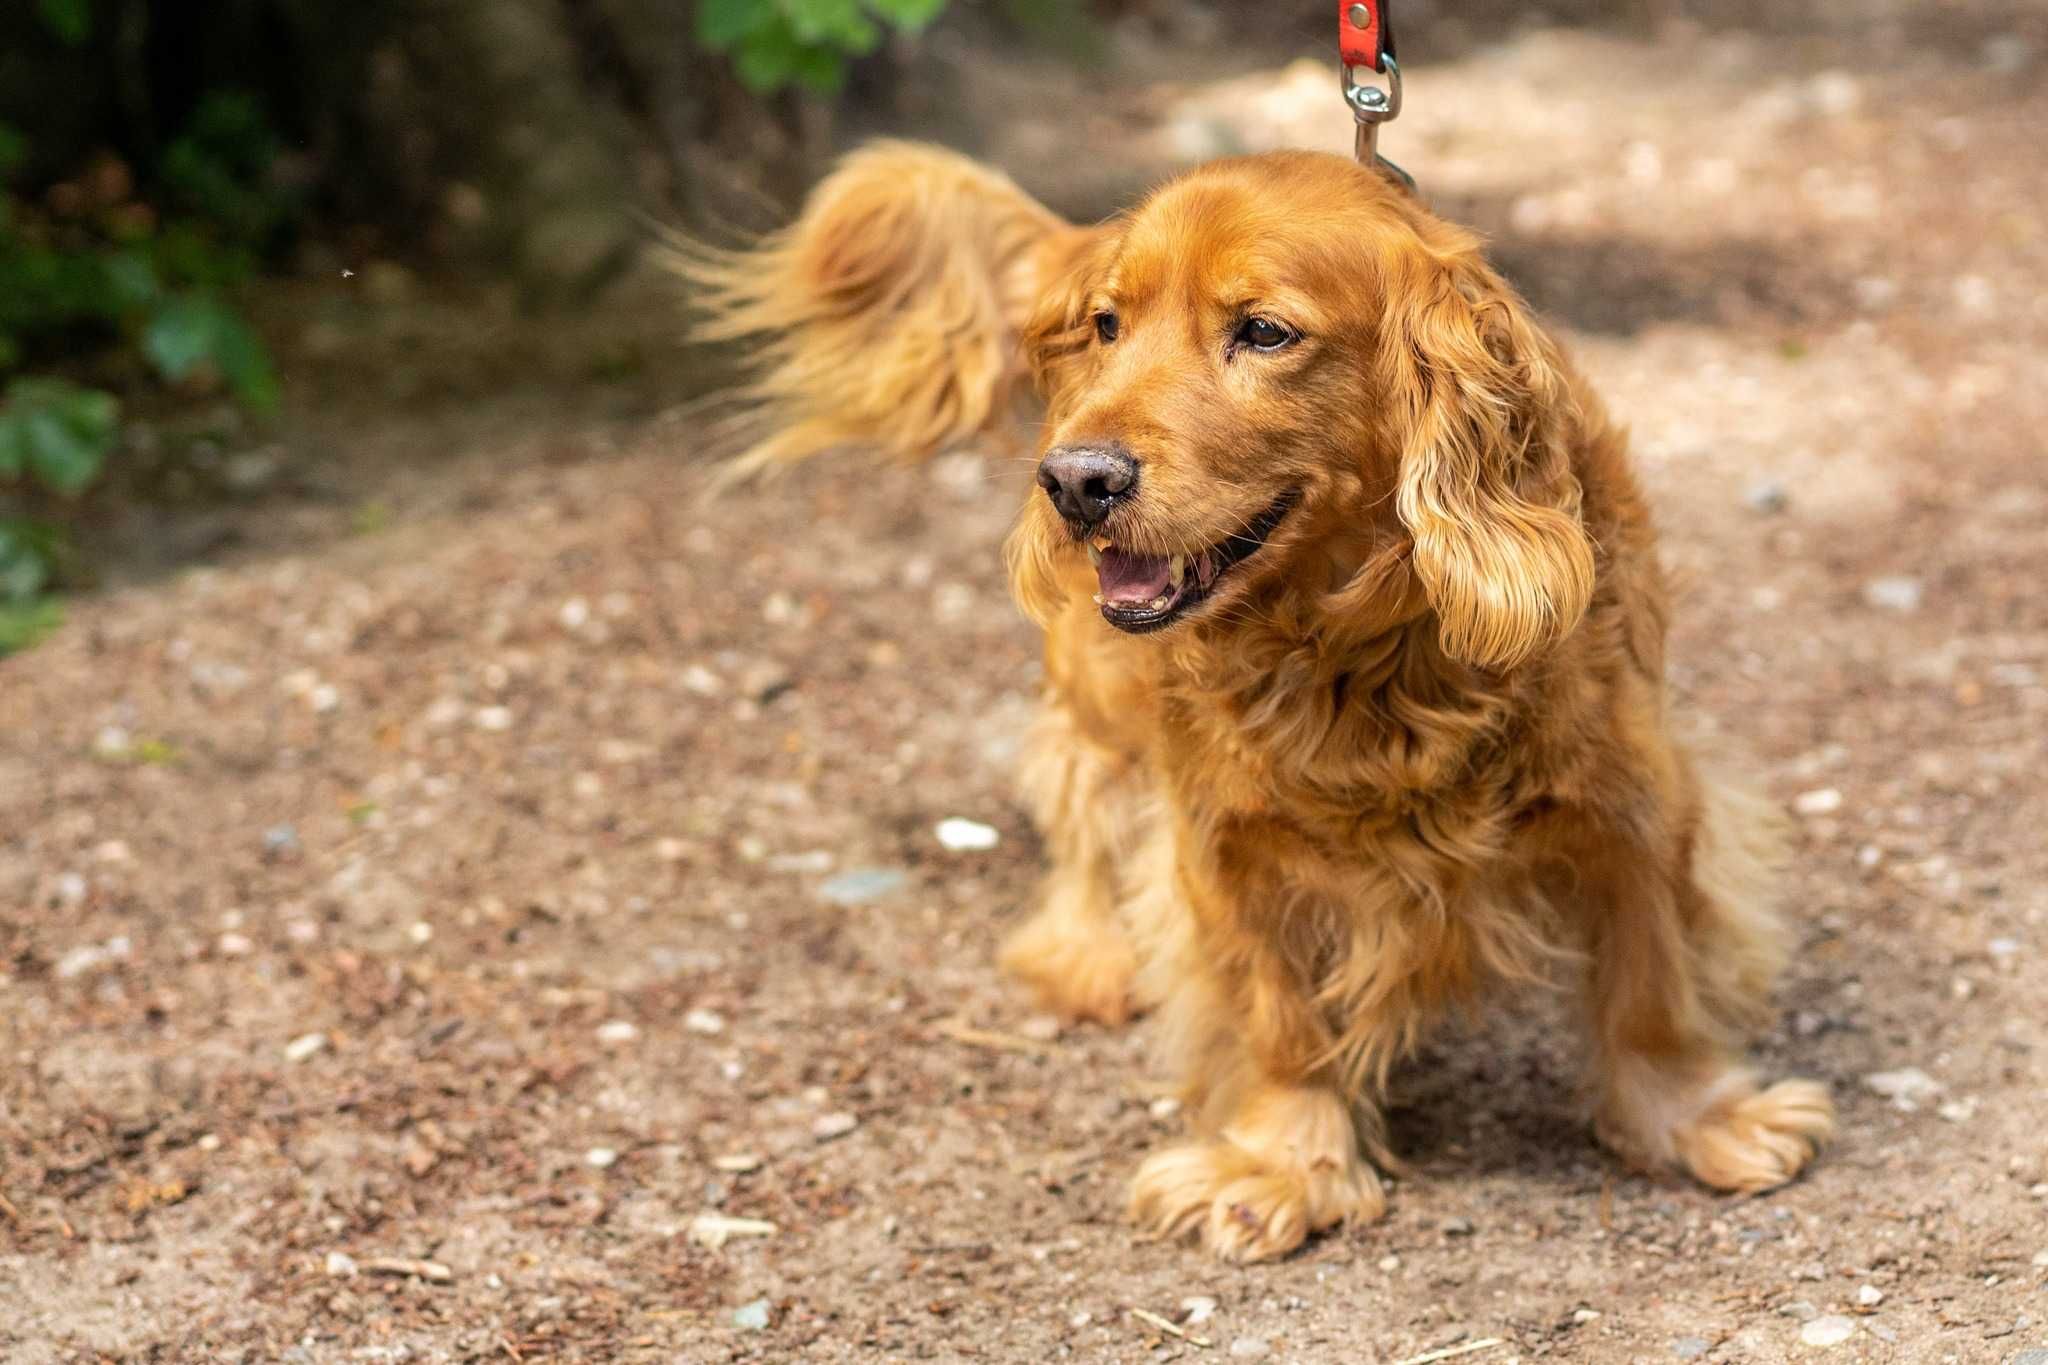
1127,578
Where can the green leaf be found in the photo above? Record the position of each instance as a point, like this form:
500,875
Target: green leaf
69,20
192,333
57,432
908,14
24,623
721,24
28,557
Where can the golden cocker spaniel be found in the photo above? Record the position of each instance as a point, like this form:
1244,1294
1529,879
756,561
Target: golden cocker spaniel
1354,640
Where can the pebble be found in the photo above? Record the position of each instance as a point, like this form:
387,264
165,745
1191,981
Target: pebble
1822,801
1870,1296
575,614
1832,1330
1457,1227
1894,592
1583,1316
236,945
1768,497
617,1031
1390,1263
707,1022
1959,1111
1081,1319
751,1317
304,1046
829,1126
493,718
738,1163
1251,1348
2038,1356
1164,1108
1691,1348
281,841
1800,1309
341,1265
91,957
1198,1310
860,885
72,888
2041,1260
1905,1088
602,1158
960,835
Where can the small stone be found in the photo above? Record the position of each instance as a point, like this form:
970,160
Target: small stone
1457,1227
236,945
1390,1263
281,841
1894,592
1831,1330
1080,1320
714,1230
1800,1310
1583,1316
1164,1108
1769,498
1822,801
72,888
830,1126
751,1317
304,1046
493,718
1959,1111
1691,1348
1907,1088
575,614
603,1158
701,680
737,1163
1870,1296
614,1032
341,1265
2041,1260
707,1022
860,885
1041,1028
2038,1356
959,835
1251,1348
1197,1310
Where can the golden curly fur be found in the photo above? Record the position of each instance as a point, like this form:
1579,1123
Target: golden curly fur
1410,740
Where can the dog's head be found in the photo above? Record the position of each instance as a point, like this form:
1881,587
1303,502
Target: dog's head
1281,386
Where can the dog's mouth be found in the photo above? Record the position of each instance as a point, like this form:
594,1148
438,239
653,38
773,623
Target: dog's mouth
1140,593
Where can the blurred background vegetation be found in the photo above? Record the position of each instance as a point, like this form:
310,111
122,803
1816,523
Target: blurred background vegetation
161,162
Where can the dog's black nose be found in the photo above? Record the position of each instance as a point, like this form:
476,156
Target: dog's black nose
1085,482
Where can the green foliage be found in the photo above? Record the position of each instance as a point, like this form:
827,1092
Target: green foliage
56,434
69,21
91,267
775,43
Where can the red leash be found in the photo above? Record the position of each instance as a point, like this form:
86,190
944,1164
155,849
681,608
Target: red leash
1365,42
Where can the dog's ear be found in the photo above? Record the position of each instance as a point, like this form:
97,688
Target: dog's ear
1062,324
1486,487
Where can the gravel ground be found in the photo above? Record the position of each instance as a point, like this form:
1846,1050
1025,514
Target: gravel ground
481,860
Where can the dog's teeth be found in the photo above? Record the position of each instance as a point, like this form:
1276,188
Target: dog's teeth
1098,599
1095,555
1177,569
1159,603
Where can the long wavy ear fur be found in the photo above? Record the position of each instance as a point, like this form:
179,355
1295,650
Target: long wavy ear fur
887,315
1486,485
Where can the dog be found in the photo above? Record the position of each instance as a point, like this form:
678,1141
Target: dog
1354,649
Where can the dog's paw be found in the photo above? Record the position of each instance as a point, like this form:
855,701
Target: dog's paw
1760,1139
1246,1208
1077,969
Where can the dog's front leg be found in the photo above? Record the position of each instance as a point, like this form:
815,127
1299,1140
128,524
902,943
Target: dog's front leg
1279,1153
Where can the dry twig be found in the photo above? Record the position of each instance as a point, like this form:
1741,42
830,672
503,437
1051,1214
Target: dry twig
1154,1320
1485,1343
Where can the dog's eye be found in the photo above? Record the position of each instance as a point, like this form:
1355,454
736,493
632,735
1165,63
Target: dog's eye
1105,327
1263,334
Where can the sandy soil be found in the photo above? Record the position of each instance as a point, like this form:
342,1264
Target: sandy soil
479,851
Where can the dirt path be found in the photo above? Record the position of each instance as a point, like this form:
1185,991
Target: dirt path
508,887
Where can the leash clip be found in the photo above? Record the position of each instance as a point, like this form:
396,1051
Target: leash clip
1370,107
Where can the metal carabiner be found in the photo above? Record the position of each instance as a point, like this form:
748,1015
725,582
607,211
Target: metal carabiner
1370,107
